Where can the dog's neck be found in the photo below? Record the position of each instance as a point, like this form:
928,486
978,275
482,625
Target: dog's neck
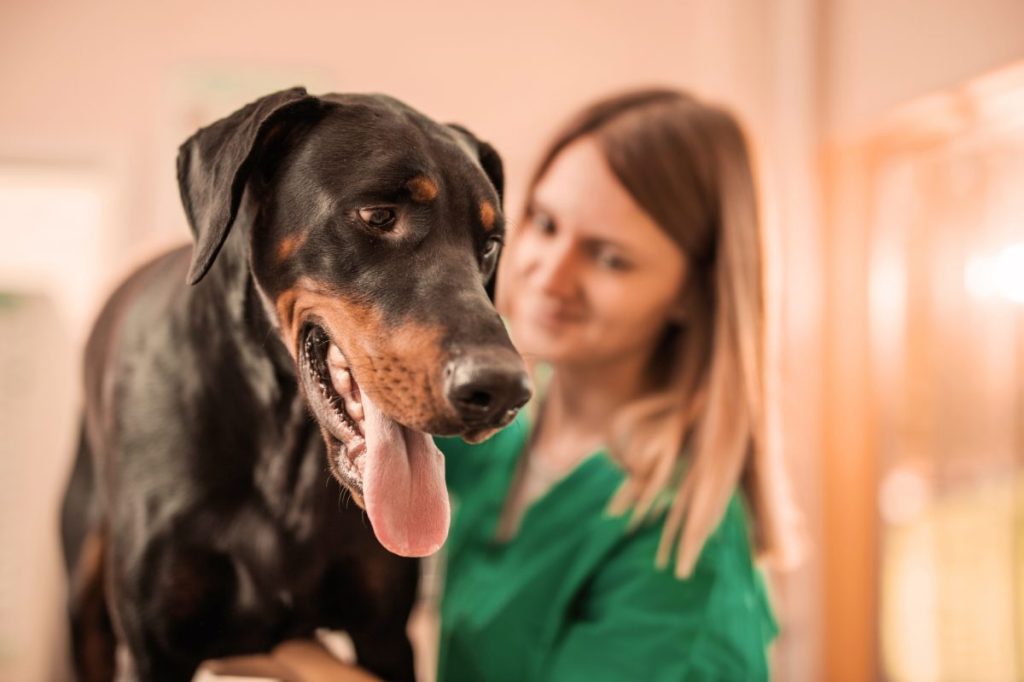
289,470
236,294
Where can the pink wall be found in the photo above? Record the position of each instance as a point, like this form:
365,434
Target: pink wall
113,86
880,53
102,78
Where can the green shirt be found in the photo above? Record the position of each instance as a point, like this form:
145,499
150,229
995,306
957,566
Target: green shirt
575,596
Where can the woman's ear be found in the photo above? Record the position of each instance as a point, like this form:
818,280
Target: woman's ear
677,314
682,311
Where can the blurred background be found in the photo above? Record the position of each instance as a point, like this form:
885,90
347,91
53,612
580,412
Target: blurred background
890,145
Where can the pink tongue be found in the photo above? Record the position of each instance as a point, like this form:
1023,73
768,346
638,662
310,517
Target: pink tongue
403,485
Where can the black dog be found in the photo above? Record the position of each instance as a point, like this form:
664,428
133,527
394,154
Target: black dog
200,521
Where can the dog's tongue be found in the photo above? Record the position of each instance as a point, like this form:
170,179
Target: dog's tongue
403,485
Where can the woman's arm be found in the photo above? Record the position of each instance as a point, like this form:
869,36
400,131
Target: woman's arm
297,660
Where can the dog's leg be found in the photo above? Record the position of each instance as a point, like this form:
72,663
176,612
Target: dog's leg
388,653
76,514
177,605
382,644
92,635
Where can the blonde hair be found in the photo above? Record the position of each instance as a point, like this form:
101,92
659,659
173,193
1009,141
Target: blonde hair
687,445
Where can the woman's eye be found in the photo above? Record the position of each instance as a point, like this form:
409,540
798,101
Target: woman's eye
489,257
544,222
612,261
377,217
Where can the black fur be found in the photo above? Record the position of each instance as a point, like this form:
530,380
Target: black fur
201,519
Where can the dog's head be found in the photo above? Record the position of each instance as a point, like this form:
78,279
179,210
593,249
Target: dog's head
373,234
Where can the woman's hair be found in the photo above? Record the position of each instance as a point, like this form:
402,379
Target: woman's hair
701,430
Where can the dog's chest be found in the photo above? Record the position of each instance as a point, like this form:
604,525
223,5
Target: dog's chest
331,573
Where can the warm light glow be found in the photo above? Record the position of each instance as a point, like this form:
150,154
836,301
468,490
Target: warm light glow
53,239
902,496
1001,274
1011,266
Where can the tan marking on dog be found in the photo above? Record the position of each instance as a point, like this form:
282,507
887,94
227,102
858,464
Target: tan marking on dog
398,366
289,245
423,189
89,563
487,214
95,652
285,306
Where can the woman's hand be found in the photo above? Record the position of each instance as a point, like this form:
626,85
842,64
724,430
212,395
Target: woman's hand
297,660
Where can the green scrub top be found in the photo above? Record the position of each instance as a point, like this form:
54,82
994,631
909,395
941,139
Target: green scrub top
574,595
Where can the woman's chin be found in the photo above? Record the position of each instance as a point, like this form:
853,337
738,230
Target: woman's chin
546,346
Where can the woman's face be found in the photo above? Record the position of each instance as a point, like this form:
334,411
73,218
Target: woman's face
589,277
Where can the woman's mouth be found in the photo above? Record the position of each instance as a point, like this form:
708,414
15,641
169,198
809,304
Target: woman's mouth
551,316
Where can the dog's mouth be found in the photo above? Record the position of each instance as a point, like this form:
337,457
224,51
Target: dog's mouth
341,410
394,472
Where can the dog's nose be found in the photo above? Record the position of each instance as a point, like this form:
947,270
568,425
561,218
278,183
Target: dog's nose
487,386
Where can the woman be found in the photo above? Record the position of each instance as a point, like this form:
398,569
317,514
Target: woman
635,279
609,533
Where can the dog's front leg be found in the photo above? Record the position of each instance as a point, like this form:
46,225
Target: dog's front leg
174,606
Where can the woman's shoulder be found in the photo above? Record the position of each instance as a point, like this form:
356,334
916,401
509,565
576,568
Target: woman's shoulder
726,561
630,614
722,608
727,551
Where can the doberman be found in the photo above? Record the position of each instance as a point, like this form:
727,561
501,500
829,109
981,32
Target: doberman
343,245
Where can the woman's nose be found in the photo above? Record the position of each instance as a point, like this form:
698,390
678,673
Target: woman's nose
556,271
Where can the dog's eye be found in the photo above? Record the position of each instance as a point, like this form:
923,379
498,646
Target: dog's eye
377,217
489,257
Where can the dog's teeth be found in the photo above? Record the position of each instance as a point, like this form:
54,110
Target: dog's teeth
354,408
342,381
335,358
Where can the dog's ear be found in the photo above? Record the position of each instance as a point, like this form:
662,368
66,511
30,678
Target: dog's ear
488,157
491,161
214,164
